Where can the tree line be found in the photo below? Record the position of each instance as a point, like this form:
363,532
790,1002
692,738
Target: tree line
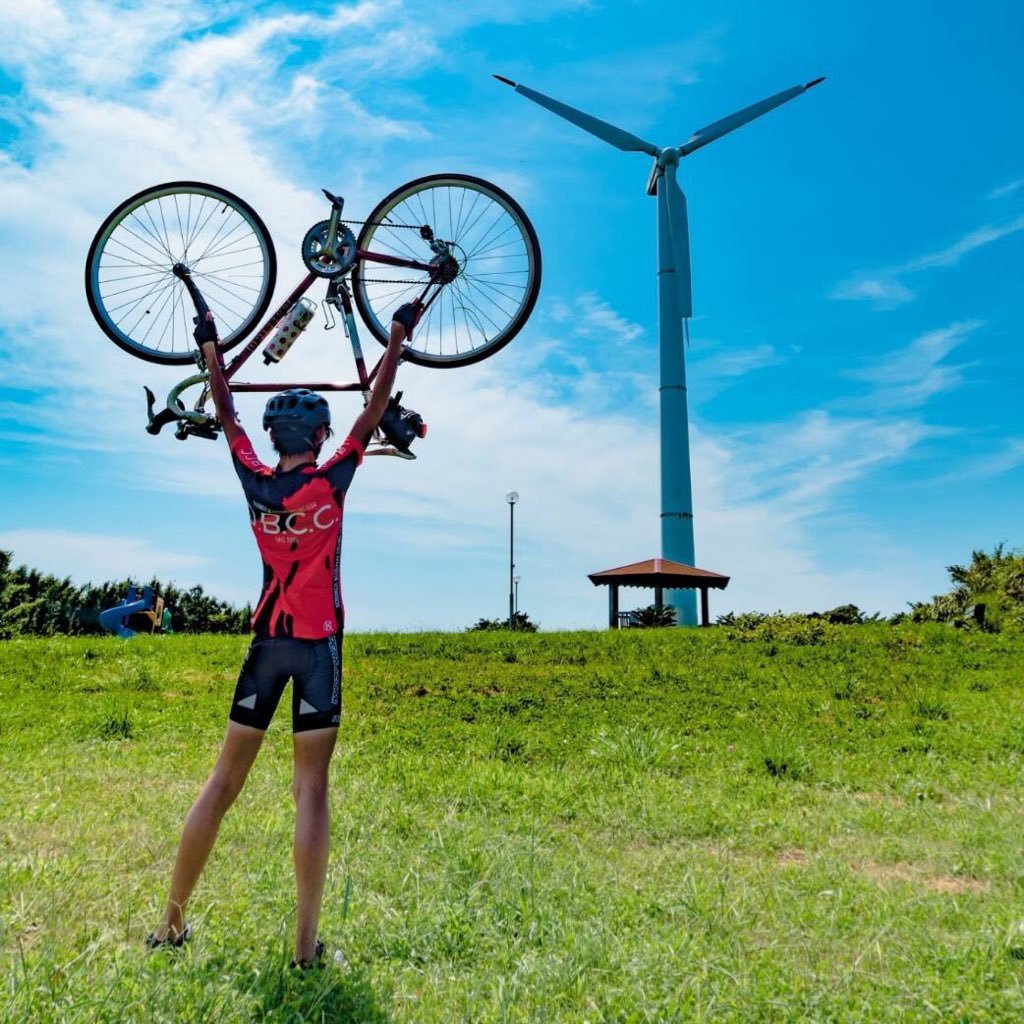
988,592
36,604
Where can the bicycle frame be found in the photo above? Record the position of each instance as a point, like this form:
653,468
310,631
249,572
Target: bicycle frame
199,423
337,295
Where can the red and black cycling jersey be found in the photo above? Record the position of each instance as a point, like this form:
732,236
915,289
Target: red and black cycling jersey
296,517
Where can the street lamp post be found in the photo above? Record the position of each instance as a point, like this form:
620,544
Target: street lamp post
512,497
515,580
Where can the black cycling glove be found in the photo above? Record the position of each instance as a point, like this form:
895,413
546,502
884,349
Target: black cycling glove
408,315
206,330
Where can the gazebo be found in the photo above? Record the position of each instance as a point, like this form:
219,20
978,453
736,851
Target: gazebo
661,574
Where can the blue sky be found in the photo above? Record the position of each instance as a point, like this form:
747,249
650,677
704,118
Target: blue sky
855,357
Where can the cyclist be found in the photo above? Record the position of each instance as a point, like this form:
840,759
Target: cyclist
296,512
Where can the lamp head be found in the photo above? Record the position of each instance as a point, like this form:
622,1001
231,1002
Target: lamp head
512,497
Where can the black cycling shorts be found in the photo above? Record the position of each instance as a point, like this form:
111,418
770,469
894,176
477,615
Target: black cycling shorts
314,666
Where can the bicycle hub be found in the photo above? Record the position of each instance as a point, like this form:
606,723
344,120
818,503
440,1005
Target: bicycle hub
445,269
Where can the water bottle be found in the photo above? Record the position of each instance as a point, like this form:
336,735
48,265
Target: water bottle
295,322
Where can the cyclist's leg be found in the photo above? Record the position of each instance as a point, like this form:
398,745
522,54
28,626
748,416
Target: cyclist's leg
241,745
311,851
316,711
261,681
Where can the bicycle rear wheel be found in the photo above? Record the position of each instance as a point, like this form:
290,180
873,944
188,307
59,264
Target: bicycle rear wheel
137,300
499,267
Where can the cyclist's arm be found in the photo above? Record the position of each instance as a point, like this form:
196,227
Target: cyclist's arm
368,419
223,400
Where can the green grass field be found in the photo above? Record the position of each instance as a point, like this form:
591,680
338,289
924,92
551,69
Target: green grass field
645,826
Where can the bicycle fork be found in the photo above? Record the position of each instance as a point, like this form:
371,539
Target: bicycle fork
194,422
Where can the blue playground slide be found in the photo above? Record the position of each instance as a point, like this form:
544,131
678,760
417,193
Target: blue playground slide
134,601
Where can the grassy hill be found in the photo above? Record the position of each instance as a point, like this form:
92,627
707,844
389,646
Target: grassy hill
814,824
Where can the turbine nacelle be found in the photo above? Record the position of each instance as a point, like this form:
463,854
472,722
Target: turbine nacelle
664,157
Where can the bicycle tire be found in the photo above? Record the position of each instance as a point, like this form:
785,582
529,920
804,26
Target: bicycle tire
223,224
500,300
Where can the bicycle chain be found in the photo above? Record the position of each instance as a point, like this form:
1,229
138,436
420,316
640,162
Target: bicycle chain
388,280
385,224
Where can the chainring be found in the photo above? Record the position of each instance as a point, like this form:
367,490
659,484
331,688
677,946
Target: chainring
314,247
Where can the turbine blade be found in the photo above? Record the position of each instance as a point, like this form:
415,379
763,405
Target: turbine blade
678,223
619,138
714,131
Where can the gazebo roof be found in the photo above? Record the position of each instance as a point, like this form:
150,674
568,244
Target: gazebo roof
660,572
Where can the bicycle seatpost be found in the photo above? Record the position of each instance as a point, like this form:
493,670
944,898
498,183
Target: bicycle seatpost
184,275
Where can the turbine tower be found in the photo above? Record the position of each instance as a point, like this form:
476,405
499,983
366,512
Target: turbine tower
674,306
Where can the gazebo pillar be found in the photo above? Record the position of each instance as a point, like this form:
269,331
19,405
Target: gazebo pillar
659,598
613,606
704,607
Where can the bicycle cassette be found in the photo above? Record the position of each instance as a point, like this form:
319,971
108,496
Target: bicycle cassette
328,260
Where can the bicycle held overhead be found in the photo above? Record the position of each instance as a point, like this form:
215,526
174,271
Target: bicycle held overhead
457,244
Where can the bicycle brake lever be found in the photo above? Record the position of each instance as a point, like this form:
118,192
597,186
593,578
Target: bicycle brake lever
187,430
161,419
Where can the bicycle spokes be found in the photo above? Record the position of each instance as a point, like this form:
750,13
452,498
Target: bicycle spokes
482,273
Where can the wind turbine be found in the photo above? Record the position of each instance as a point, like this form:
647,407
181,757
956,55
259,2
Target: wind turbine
674,305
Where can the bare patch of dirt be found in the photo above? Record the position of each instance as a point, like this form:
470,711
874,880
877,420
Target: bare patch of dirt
956,885
887,873
794,857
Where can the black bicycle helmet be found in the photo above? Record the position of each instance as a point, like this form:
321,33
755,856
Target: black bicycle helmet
293,417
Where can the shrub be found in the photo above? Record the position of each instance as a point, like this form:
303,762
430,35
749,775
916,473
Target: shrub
988,594
520,624
652,617
797,630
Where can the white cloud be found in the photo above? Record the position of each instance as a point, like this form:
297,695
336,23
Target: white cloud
1006,190
1005,456
908,377
592,317
711,373
886,290
883,292
952,254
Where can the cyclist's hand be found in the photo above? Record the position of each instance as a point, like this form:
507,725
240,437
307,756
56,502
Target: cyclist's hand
206,330
408,316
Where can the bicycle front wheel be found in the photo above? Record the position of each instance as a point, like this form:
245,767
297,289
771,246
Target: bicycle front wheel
485,303
137,300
